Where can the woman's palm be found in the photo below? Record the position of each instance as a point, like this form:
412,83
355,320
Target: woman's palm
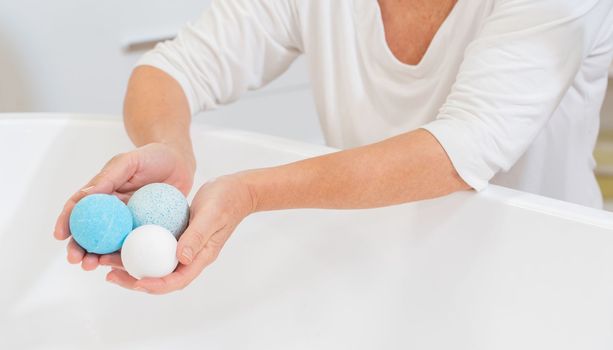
122,176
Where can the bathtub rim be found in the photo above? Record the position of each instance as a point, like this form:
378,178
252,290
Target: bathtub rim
514,198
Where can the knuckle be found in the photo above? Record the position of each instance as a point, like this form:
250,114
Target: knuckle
216,242
212,253
161,290
116,158
198,238
182,285
185,282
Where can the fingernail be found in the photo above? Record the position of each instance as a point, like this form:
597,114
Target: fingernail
188,254
141,289
86,189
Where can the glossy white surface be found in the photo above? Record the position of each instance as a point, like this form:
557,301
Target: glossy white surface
497,270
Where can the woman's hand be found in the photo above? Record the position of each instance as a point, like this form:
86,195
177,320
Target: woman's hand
219,206
121,176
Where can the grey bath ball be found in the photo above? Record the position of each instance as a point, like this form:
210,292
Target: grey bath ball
160,204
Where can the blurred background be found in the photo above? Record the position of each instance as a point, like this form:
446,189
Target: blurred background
76,56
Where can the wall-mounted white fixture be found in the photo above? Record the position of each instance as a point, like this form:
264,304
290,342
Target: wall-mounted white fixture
144,42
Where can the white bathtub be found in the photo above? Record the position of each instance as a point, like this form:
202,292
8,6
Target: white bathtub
497,270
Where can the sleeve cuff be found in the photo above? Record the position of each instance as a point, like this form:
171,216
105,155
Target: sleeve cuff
463,159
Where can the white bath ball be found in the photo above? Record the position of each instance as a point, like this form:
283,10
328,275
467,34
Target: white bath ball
149,251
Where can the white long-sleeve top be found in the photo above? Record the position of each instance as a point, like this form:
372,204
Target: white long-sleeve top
511,89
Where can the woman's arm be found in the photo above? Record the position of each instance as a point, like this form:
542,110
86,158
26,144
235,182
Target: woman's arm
404,168
235,46
513,76
157,119
409,167
156,110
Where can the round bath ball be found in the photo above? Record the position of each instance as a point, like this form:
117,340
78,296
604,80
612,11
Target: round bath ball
160,204
149,251
100,222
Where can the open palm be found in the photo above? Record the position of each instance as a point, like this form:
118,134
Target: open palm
122,176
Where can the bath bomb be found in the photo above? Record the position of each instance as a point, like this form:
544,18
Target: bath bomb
160,204
100,222
149,251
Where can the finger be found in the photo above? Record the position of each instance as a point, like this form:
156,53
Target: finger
75,253
177,280
134,184
151,285
113,260
183,275
62,230
90,262
114,174
121,278
201,227
124,197
151,157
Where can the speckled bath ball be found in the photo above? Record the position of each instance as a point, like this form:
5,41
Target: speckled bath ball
160,204
100,222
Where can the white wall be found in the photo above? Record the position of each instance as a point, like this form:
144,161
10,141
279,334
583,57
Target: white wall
70,56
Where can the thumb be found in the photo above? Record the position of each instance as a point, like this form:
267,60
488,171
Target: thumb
114,173
201,227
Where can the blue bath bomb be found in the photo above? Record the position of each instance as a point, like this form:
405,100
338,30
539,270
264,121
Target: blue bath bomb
100,223
160,204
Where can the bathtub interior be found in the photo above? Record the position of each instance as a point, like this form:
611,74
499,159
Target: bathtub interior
465,272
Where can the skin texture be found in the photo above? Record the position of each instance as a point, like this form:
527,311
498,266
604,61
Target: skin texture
411,25
409,167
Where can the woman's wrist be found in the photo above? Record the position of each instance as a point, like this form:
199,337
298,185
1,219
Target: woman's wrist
176,137
185,151
252,182
274,188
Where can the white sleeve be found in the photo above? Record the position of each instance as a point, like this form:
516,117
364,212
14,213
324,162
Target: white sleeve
512,78
235,46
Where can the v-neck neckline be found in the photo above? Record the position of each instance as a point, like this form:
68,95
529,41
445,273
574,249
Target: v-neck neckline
368,17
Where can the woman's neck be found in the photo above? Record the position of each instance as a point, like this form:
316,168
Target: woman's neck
410,25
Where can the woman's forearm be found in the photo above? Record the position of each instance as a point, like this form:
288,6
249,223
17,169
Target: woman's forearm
156,110
408,167
405,168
